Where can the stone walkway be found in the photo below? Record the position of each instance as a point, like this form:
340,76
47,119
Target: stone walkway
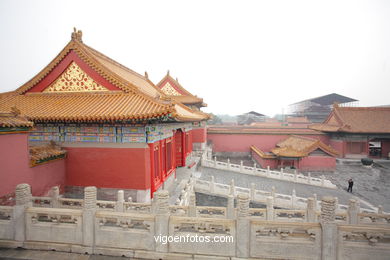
371,184
182,176
283,187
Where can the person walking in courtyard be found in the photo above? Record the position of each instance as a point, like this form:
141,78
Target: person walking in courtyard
350,184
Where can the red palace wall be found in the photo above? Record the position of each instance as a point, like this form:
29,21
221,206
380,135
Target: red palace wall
199,135
123,168
339,145
15,167
317,163
243,142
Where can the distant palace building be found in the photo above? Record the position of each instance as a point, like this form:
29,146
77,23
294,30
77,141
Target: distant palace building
250,118
119,130
358,131
348,132
175,91
317,109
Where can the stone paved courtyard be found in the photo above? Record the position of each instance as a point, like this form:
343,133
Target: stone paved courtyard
371,184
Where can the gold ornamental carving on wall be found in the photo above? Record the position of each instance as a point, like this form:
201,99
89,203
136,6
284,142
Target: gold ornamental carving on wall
74,79
169,90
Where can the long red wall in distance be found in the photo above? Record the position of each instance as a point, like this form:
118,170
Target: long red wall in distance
122,168
199,135
15,167
243,142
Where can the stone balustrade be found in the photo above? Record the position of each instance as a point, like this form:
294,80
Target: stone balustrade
6,218
267,173
110,228
260,196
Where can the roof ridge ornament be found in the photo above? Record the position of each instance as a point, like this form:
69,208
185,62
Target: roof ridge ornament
77,35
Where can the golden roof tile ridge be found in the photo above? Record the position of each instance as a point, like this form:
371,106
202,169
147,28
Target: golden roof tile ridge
106,73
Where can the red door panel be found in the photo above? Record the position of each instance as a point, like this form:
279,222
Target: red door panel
179,148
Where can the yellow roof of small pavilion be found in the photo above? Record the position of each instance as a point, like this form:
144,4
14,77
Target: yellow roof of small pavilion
299,146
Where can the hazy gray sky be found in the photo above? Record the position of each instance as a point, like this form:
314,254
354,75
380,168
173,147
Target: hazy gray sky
237,55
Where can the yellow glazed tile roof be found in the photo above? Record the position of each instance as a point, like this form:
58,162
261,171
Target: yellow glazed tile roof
356,120
13,119
86,107
182,95
298,146
45,153
262,154
137,98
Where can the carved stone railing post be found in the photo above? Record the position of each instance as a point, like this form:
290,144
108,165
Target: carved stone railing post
352,212
23,201
329,228
336,203
268,171
281,173
315,201
119,201
322,180
328,209
232,190
89,211
252,191
254,168
293,198
215,161
212,184
183,198
273,191
309,177
380,209
295,175
161,199
228,163
192,205
243,228
230,207
55,195
311,210
270,208
241,166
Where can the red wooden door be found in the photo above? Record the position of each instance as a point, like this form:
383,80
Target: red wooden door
155,166
163,160
179,148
